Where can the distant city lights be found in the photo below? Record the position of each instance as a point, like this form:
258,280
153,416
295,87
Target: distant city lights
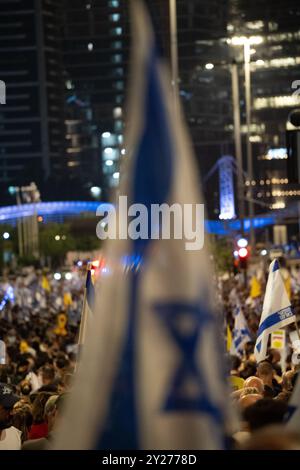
95,191
106,135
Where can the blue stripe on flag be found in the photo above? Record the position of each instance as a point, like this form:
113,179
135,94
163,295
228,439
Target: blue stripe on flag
275,266
275,318
152,180
90,291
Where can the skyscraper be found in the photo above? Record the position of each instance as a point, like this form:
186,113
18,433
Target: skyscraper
31,121
95,57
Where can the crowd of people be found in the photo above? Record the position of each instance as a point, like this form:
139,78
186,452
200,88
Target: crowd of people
36,374
39,358
261,391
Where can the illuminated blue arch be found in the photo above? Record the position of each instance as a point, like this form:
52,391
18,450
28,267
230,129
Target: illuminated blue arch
57,211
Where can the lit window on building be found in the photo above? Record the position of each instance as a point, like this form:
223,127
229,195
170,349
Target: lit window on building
117,44
276,154
254,25
118,126
119,85
115,17
117,31
284,101
69,85
117,58
117,112
110,153
118,72
119,99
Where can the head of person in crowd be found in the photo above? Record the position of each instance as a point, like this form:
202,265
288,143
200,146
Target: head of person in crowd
247,400
249,369
249,348
38,406
235,363
22,418
7,401
50,412
255,382
264,412
250,391
48,379
287,384
25,388
265,372
62,363
274,356
284,396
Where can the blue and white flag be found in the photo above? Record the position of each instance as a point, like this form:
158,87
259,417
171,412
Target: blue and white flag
87,308
240,333
277,311
90,291
152,374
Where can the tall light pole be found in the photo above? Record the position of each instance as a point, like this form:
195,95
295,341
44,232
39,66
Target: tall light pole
246,42
174,52
249,146
238,142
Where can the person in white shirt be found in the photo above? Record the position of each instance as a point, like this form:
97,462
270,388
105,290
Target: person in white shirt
10,437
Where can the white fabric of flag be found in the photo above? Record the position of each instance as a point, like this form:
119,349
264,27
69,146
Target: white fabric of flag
152,374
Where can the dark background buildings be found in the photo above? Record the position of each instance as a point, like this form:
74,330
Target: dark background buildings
65,64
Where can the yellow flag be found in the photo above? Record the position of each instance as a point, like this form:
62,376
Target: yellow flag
229,339
23,346
255,288
287,283
67,299
61,325
45,284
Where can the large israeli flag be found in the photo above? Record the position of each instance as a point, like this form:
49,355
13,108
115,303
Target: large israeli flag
277,311
152,374
241,334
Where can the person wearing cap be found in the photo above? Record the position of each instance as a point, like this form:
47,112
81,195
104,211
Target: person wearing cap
10,437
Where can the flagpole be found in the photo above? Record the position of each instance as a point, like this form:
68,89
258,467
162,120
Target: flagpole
84,316
174,52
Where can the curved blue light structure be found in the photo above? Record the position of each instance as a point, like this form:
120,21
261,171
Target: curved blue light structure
58,210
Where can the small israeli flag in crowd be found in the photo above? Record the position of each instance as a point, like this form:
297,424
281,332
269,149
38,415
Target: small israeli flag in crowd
277,311
240,334
88,307
152,374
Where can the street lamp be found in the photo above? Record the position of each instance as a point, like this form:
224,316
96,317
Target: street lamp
247,42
